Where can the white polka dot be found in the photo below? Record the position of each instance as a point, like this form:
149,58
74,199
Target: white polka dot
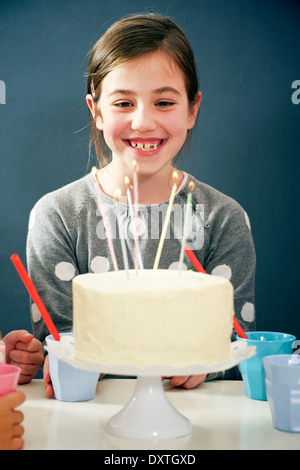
32,219
99,264
247,220
247,312
65,271
175,265
100,230
222,271
35,313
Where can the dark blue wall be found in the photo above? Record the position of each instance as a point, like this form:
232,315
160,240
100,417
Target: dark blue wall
246,144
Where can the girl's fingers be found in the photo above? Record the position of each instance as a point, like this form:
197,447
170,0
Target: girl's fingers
17,443
17,417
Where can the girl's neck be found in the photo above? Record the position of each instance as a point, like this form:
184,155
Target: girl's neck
152,189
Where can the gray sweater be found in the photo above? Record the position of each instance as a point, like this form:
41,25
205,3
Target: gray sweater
66,237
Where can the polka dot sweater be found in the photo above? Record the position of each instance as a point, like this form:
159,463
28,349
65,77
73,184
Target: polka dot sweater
66,237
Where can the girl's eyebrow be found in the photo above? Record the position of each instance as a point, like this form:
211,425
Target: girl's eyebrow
166,88
158,91
121,92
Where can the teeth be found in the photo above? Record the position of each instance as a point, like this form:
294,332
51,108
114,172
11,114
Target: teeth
144,147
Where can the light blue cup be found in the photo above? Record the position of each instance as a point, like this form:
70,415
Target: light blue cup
283,390
70,383
267,343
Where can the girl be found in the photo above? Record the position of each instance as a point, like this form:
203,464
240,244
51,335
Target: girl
143,98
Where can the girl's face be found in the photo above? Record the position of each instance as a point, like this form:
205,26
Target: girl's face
144,113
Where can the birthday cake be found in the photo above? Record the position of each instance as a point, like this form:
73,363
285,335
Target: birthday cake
154,317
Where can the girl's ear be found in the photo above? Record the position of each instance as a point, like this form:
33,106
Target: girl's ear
91,104
194,108
95,113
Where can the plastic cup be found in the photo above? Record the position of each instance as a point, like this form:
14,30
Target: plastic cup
9,376
283,390
267,343
70,383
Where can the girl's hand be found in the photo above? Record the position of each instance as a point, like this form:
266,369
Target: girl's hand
187,381
25,351
11,431
47,379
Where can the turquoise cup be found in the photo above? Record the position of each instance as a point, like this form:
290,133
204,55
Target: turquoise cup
283,390
267,343
70,383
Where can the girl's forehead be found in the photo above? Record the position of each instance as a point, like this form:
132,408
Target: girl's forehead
155,67
159,58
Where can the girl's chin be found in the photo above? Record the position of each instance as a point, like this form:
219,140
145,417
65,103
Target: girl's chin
151,169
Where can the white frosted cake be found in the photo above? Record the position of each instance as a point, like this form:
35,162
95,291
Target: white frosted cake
153,318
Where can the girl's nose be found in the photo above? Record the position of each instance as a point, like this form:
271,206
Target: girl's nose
143,120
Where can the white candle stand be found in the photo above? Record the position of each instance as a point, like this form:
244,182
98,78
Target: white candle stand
149,414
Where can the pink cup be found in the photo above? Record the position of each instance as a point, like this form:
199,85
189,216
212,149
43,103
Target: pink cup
9,376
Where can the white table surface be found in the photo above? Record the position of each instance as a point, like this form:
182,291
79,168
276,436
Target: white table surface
221,415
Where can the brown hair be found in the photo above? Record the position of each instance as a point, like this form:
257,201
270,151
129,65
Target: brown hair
128,39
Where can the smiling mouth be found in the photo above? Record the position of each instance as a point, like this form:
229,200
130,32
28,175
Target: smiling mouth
145,146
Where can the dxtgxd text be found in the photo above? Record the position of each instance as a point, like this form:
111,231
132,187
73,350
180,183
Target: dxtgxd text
151,459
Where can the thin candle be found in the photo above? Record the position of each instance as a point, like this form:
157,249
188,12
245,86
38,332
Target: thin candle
199,268
117,195
166,222
35,296
187,218
129,199
105,223
136,213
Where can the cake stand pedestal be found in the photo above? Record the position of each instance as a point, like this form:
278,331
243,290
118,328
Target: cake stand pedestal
149,414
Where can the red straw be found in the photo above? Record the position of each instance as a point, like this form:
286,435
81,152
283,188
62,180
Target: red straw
35,296
239,329
194,260
200,269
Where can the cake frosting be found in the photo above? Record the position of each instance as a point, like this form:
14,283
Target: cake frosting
155,317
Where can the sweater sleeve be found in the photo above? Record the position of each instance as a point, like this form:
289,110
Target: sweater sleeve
52,264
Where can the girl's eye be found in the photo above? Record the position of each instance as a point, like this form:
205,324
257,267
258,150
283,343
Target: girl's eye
122,104
164,104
